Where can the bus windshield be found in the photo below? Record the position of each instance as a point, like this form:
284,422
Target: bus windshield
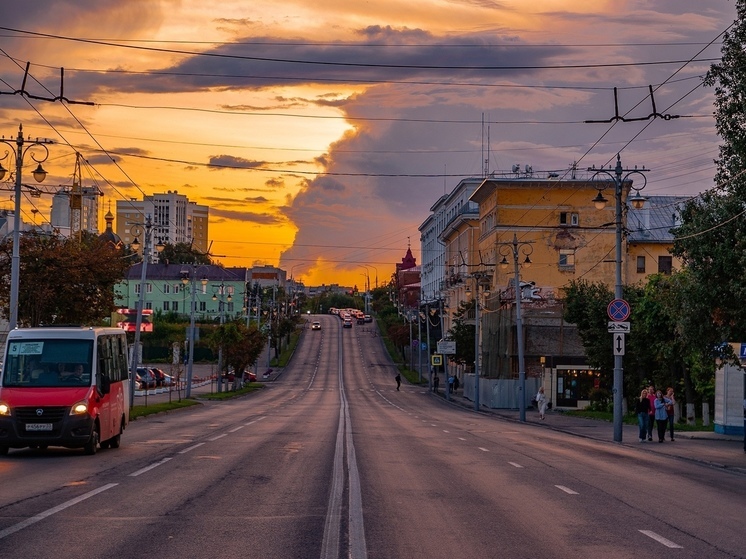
48,363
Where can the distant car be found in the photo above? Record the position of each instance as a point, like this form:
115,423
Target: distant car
360,319
347,323
316,326
159,375
145,378
368,318
168,380
249,376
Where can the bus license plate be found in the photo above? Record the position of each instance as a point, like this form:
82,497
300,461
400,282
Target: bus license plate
38,426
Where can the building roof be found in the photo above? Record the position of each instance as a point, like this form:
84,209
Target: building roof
172,272
655,221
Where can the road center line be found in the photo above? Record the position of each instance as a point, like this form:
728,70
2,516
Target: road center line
148,468
216,437
482,449
566,490
54,510
661,539
237,428
191,448
515,464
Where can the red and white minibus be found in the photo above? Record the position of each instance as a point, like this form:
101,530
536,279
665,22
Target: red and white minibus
64,387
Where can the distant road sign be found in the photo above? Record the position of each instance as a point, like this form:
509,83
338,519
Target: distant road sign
618,344
436,360
447,347
622,327
618,310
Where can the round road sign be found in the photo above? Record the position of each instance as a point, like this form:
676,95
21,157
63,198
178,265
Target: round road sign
618,310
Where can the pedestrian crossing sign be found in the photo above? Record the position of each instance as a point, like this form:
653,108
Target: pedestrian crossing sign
436,360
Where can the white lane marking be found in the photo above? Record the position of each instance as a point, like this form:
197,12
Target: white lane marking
514,464
566,490
482,449
461,439
237,428
191,448
148,468
446,431
661,539
54,510
433,425
257,419
216,437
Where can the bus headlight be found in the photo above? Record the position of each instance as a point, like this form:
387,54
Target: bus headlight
4,409
81,408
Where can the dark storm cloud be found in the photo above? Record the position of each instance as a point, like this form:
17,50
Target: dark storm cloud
269,61
232,162
249,217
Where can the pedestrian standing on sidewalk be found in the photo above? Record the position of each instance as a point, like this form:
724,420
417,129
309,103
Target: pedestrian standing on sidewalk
455,383
436,382
398,381
541,402
651,417
642,409
661,415
670,410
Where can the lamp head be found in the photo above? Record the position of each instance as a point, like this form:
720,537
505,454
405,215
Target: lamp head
637,201
599,201
39,173
135,245
504,263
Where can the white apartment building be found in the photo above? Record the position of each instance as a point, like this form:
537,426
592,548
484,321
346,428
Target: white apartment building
61,215
433,251
175,219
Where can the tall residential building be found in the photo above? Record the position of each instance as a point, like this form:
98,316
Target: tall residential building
175,219
61,214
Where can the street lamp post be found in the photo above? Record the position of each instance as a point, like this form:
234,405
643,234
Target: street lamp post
619,177
146,230
221,309
39,175
187,277
515,249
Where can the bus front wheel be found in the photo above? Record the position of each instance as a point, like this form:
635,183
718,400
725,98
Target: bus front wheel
92,445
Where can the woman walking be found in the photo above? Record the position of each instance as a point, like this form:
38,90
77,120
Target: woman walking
642,408
541,402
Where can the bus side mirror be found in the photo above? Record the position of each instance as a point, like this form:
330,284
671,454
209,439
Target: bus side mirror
105,385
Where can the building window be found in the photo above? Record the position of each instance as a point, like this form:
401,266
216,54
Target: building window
202,306
567,258
640,264
148,288
568,218
166,288
166,306
175,306
665,264
149,305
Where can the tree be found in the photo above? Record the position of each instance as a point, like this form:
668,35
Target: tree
241,344
463,334
712,238
62,281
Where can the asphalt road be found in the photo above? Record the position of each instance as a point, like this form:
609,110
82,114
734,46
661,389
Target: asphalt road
330,461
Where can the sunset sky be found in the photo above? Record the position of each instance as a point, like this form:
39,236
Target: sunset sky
321,133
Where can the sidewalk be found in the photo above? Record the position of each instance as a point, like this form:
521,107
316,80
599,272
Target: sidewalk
713,449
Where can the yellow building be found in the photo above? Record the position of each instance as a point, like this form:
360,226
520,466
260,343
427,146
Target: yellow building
554,224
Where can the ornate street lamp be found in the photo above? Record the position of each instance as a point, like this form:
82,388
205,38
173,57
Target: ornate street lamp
619,177
39,175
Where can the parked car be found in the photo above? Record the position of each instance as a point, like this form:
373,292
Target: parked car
159,376
168,380
145,378
249,376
